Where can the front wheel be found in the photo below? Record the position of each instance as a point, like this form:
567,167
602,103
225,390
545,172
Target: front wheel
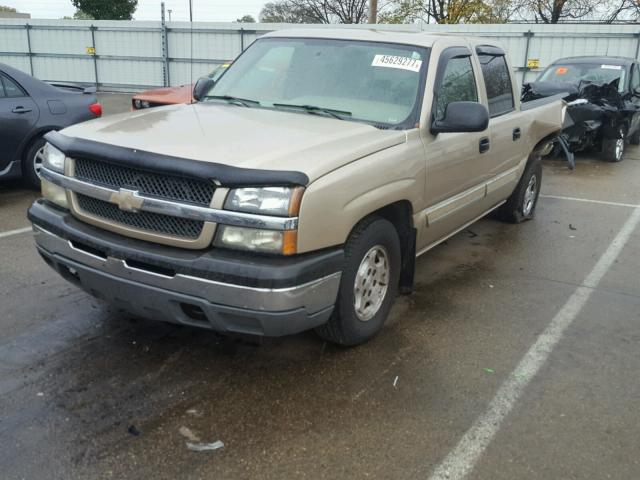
369,283
521,205
613,148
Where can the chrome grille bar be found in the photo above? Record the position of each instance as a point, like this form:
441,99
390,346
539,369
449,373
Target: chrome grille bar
174,209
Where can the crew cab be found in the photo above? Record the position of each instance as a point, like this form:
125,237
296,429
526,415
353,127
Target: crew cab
305,183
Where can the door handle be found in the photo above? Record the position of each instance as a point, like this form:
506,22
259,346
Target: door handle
21,110
484,145
516,133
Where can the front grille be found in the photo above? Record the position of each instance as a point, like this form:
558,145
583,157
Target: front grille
151,222
169,187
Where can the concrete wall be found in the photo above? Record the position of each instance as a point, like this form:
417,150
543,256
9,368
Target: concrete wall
132,55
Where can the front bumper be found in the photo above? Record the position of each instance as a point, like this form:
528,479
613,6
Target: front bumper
219,290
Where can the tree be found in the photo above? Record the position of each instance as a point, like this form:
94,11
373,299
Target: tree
446,11
79,15
282,12
7,9
315,11
246,19
556,11
107,9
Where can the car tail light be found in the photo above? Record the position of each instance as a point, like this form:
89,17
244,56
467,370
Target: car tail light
96,109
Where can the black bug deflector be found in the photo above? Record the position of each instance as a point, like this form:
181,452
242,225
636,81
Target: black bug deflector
225,175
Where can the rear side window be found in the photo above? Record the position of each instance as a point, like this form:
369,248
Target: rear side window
11,88
458,85
497,80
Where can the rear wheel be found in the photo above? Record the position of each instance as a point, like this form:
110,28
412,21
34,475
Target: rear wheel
32,163
635,138
369,283
521,205
613,148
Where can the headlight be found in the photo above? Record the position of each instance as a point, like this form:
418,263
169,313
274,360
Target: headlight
256,240
274,201
54,193
138,104
53,158
278,201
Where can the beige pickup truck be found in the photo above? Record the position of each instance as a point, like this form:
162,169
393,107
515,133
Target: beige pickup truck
298,191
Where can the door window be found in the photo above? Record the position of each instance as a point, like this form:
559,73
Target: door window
458,85
11,88
498,83
2,95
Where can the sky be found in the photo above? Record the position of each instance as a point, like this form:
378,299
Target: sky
203,10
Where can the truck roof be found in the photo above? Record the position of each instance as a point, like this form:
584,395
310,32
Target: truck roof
421,39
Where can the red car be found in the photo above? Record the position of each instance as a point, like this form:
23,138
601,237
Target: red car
171,95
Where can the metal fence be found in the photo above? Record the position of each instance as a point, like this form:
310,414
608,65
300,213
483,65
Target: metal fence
132,55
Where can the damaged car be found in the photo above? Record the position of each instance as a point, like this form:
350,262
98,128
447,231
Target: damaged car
603,96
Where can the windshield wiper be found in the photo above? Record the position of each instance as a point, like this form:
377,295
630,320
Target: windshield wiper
245,102
339,114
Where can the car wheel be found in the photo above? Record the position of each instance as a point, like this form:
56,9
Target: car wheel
369,283
521,205
613,148
635,138
32,163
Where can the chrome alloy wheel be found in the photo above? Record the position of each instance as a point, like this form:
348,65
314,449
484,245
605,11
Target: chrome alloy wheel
619,148
371,284
530,196
37,160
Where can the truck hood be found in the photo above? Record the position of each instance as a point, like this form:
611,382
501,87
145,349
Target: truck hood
242,137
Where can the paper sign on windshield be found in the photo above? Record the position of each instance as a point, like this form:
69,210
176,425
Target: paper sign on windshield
395,61
611,67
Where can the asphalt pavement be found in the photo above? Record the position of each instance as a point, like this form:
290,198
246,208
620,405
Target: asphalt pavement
515,358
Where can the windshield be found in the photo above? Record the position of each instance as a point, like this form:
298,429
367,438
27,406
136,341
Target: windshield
378,83
585,72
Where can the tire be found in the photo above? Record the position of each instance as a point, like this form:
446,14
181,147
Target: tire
635,138
373,242
521,205
32,162
613,148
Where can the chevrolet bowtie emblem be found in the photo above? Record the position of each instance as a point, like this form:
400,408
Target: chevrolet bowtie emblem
127,200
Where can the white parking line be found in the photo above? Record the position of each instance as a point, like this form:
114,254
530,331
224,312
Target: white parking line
17,231
588,200
461,460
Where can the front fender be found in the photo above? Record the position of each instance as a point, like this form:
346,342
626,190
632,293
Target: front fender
336,202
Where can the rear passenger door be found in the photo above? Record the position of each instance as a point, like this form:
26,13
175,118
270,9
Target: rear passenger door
505,124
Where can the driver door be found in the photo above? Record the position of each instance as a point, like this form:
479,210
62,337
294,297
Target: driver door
456,174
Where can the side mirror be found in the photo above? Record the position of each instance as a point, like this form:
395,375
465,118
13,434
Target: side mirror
462,117
202,87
